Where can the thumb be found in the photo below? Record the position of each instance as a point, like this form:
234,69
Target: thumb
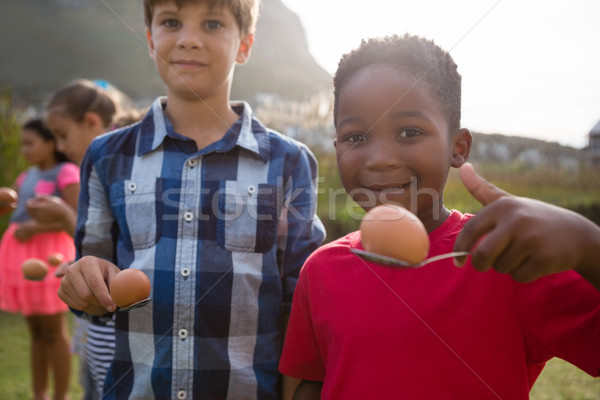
479,188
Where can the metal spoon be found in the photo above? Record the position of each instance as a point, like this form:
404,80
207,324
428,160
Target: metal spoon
396,263
135,305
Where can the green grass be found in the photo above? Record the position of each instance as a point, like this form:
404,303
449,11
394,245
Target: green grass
15,374
559,380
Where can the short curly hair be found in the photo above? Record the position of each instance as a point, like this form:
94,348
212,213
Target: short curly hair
244,11
413,55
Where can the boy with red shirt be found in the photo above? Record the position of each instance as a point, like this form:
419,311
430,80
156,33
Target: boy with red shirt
359,330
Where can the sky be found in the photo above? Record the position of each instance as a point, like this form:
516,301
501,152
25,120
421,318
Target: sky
529,67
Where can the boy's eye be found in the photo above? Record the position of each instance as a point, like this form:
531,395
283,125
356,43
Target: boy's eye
356,138
171,23
212,25
408,133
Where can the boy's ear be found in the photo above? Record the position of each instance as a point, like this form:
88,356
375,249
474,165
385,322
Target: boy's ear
461,147
243,54
150,43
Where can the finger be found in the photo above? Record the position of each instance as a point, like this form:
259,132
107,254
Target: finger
97,282
61,269
84,282
511,258
482,190
69,295
489,248
473,230
528,271
109,270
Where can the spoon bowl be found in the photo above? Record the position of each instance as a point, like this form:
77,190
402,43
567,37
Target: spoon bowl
396,263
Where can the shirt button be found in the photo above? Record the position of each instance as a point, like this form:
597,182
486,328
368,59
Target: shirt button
251,190
132,186
186,272
182,394
188,216
183,333
192,163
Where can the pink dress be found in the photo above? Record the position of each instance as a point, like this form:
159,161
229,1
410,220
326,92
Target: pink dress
17,294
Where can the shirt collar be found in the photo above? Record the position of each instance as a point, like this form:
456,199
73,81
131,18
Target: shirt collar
247,132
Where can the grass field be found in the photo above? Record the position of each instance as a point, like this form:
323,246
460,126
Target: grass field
559,380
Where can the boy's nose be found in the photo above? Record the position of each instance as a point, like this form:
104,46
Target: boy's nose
382,156
189,39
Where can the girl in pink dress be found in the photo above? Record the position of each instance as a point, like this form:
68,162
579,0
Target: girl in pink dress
45,314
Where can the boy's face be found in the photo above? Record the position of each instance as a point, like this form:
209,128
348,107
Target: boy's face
196,47
392,143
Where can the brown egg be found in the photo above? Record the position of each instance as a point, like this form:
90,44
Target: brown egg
8,200
34,269
129,286
394,231
55,259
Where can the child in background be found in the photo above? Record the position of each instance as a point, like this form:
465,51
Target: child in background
76,114
44,312
359,330
217,210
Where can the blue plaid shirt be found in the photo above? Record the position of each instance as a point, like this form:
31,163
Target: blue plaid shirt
222,233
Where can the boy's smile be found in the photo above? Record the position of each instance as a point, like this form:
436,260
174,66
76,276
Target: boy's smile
195,48
393,144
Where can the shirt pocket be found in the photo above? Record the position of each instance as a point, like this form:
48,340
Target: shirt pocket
247,216
138,207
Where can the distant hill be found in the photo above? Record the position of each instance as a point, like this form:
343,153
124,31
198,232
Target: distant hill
502,149
45,43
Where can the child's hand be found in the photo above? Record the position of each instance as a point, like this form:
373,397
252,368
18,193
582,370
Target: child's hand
52,210
46,209
84,286
26,230
62,269
526,238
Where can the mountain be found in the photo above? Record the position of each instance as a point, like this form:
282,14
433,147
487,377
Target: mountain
46,43
501,149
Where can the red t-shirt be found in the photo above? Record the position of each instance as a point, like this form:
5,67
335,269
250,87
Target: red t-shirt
437,332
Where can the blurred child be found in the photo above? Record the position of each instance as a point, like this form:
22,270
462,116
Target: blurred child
44,312
77,113
360,330
217,210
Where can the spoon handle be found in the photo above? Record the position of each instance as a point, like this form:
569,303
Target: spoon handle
445,255
133,306
396,263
